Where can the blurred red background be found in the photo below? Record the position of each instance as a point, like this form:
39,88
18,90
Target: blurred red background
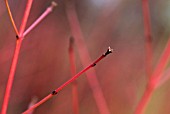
44,62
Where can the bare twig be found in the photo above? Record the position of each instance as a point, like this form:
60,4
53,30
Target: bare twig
46,12
15,58
11,77
25,18
69,81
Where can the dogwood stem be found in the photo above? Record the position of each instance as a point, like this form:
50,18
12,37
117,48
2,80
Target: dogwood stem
109,50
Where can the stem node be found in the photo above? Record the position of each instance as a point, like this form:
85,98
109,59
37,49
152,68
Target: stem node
54,92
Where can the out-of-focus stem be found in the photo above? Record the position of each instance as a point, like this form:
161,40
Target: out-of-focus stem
46,12
148,39
33,101
165,77
69,81
85,58
73,72
154,80
148,36
15,58
11,17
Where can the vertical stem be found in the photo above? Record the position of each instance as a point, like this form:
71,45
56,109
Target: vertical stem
11,77
15,59
25,17
154,80
148,36
73,72
85,58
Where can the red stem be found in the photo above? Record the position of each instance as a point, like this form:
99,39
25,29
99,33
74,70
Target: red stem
25,17
15,59
73,72
154,80
148,36
40,18
11,77
68,82
85,57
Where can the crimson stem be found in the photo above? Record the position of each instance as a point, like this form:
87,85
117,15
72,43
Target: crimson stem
15,58
109,50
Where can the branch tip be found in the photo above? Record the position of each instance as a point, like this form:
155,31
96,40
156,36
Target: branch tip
71,40
109,50
53,4
71,43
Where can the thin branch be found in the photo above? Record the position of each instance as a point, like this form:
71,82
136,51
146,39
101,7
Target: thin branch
73,72
15,59
46,12
109,50
11,17
25,18
154,80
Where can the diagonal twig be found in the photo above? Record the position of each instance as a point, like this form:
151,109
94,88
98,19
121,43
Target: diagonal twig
109,50
46,12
